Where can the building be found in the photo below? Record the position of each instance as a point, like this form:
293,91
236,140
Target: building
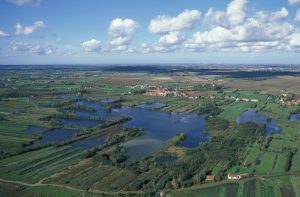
233,176
210,178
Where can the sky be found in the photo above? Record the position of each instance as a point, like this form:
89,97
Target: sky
149,31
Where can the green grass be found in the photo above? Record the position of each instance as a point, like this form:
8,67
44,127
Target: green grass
225,190
252,95
36,165
281,163
267,162
253,155
234,110
284,186
39,191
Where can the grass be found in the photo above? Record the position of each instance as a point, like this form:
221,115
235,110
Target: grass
36,165
89,174
253,155
267,163
39,191
281,163
285,186
225,190
234,110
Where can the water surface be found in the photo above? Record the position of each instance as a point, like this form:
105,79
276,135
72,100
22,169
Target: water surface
295,117
54,136
251,115
158,126
80,122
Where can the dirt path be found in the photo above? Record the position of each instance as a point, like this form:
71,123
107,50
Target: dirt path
38,184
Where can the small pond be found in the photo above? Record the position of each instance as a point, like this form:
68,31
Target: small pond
89,143
251,115
53,136
152,105
34,130
109,100
80,123
295,117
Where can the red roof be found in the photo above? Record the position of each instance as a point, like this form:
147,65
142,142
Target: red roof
210,177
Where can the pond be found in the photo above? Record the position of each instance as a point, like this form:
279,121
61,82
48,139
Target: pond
80,122
109,100
251,115
159,126
89,143
152,105
34,130
53,136
295,117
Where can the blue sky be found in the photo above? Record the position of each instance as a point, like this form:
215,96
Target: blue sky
149,31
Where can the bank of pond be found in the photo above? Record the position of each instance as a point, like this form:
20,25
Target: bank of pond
158,126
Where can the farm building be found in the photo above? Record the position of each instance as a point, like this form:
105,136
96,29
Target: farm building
233,176
210,178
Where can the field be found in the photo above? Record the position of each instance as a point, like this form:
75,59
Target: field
34,102
263,187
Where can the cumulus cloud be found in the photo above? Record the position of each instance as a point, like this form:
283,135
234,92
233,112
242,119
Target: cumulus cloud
25,2
27,30
38,49
172,38
233,30
3,34
294,2
92,45
295,40
122,27
297,17
122,31
164,24
235,14
279,15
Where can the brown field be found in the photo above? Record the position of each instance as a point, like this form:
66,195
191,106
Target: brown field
273,86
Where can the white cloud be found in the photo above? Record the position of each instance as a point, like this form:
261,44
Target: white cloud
172,38
3,34
297,17
232,30
235,15
165,24
122,27
25,2
294,2
121,41
295,40
252,34
38,49
279,15
122,31
92,45
27,30
236,12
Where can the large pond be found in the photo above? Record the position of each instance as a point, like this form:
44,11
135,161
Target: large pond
251,115
295,117
159,126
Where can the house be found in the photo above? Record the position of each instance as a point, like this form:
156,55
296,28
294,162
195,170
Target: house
233,176
210,178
